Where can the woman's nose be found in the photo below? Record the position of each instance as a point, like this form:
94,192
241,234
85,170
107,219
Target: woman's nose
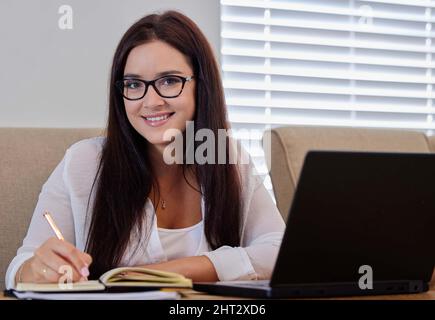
152,98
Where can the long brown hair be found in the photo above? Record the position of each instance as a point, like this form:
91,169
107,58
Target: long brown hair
125,178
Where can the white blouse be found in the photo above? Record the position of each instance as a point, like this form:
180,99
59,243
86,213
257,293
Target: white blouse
184,242
65,194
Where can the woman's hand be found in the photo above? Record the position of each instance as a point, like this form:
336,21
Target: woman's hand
198,268
50,262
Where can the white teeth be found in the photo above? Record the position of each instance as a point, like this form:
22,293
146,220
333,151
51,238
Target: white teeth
158,118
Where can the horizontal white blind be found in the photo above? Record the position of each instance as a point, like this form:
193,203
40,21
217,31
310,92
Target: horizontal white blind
360,63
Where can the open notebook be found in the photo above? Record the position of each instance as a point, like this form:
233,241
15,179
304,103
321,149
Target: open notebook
123,279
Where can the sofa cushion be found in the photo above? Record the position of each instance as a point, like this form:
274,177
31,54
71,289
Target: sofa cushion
431,140
290,144
28,156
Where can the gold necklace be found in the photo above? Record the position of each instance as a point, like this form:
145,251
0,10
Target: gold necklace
163,205
163,201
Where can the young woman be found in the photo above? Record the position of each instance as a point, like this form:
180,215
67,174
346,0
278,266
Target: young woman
119,203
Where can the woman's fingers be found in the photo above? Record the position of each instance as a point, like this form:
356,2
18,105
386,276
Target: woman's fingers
67,251
59,265
87,258
43,273
55,259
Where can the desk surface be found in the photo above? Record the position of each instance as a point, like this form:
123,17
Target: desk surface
429,295
195,295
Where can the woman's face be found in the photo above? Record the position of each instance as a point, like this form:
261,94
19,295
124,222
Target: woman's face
152,115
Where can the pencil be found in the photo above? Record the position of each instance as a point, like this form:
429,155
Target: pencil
53,226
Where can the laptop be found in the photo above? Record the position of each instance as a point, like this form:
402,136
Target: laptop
361,223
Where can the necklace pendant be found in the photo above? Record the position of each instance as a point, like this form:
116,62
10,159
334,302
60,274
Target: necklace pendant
163,204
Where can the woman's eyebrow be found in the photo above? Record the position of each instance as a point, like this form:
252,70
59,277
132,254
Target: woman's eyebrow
164,73
160,74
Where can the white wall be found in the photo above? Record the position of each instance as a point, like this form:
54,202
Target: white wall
58,78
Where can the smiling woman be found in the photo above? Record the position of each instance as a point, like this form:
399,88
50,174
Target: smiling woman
118,203
151,106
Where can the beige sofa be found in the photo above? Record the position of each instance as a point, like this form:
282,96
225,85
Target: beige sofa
290,144
27,157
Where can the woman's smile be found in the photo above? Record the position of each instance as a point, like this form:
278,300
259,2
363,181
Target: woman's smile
158,119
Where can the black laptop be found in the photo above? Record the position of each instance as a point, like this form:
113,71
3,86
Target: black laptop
361,223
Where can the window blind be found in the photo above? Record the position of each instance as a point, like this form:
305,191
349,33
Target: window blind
362,63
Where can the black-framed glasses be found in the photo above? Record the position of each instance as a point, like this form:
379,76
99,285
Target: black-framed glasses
169,86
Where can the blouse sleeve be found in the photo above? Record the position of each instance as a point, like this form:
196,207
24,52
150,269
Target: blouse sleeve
54,198
263,229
